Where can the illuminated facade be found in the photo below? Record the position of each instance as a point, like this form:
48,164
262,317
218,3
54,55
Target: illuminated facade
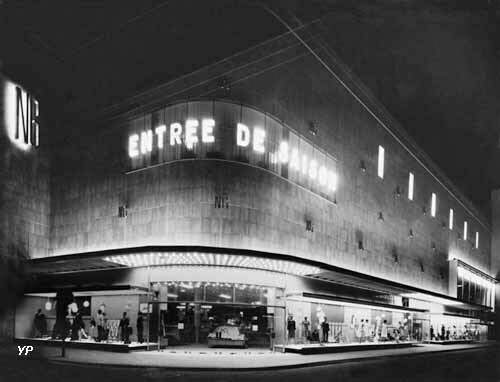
284,199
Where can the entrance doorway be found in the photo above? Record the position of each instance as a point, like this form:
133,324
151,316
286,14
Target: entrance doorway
216,324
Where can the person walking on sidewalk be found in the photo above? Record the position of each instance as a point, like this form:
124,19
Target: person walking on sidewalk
140,328
125,328
100,325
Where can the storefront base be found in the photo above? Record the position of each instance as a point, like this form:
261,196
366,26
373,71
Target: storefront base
451,342
341,348
89,345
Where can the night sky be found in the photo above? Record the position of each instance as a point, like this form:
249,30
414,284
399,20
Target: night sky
433,64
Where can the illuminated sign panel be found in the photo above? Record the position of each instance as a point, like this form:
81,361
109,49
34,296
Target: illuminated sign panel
222,130
21,116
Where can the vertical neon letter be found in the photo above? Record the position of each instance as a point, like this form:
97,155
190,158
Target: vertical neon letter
242,135
207,130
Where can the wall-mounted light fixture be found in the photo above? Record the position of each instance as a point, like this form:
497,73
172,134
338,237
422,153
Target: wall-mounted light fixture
313,128
395,256
309,226
224,85
362,165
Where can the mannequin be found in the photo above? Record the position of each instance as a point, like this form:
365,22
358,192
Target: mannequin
306,333
291,328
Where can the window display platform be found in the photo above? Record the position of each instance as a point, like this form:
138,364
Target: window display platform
340,348
451,342
117,347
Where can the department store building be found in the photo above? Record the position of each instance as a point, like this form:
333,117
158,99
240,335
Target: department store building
254,192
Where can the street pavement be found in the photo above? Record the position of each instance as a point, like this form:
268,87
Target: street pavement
472,363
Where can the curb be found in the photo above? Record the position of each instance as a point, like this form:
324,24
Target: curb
58,361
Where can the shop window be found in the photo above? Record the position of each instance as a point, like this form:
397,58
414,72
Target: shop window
410,186
477,240
83,304
450,219
381,159
472,291
465,230
465,293
182,291
460,286
251,294
219,292
405,302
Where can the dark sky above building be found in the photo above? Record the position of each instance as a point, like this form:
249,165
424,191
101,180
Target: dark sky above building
433,64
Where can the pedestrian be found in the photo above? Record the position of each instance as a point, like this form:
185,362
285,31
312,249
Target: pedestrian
291,328
140,328
125,328
39,324
100,325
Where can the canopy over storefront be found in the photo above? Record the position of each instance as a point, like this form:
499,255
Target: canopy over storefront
349,284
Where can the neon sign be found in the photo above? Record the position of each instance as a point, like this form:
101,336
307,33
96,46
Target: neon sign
22,112
267,144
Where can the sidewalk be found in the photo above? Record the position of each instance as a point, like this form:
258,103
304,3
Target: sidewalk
235,359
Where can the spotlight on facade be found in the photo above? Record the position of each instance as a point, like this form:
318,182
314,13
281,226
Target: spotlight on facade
309,226
362,165
313,130
360,245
